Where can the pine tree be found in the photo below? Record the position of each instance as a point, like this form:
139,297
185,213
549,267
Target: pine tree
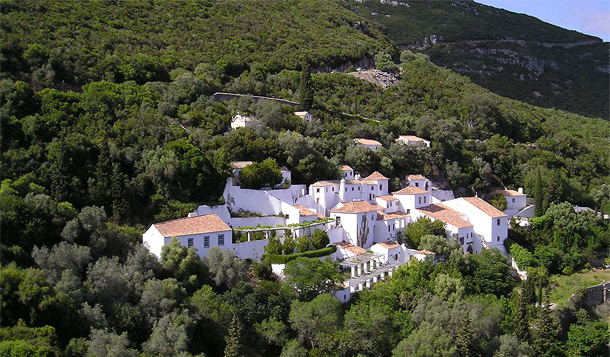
464,339
538,195
544,336
233,347
306,88
520,320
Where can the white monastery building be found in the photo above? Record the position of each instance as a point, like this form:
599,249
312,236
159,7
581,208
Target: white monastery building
241,121
305,116
368,143
413,140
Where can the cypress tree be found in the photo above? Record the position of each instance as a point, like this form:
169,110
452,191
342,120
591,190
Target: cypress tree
306,88
233,347
520,320
538,195
464,338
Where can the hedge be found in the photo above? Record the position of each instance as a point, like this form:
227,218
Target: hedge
283,259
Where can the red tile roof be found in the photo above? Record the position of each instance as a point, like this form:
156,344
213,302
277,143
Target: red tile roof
410,190
346,168
208,223
485,207
351,248
445,214
367,142
426,252
376,176
388,198
416,177
357,207
304,212
410,138
508,193
240,164
391,244
327,183
382,216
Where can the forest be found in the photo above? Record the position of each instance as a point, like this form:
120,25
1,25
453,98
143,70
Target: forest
101,139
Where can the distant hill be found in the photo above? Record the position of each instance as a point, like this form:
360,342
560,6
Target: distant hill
514,55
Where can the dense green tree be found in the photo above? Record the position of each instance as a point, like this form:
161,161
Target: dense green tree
310,277
319,239
306,88
274,246
233,339
427,340
421,227
316,321
256,175
225,269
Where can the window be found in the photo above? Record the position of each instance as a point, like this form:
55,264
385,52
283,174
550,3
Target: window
206,241
417,184
513,200
498,221
498,239
424,199
462,240
419,199
317,190
190,242
408,211
287,216
380,187
372,188
358,188
221,240
372,217
352,188
388,228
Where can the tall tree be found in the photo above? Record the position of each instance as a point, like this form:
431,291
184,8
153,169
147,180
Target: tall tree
233,339
306,87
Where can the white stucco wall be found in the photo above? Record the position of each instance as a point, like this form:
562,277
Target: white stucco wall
153,240
254,221
251,200
251,250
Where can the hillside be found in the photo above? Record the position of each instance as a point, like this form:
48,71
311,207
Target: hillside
514,55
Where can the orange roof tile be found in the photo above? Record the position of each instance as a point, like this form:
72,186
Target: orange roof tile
484,207
208,223
410,137
376,176
445,214
508,193
304,212
416,177
284,169
391,244
327,183
388,198
346,168
382,216
410,190
351,248
368,142
426,252
357,207
240,164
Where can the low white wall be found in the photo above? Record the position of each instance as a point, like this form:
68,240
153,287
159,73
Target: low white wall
252,200
278,269
291,194
251,250
254,221
221,211
336,235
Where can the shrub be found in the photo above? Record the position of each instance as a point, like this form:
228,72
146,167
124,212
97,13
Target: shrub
319,239
283,259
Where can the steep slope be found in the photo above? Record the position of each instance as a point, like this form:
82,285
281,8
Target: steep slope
514,55
58,42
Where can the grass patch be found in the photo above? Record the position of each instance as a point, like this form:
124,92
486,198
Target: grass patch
566,285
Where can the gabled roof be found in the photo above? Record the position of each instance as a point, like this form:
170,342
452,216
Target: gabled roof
508,193
387,198
326,183
240,164
445,214
351,248
368,142
284,169
301,114
376,176
357,207
484,207
391,244
416,177
410,190
304,212
243,118
411,138
208,223
382,216
426,252
346,168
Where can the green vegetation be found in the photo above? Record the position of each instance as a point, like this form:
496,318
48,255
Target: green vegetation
108,124
564,286
505,52
275,258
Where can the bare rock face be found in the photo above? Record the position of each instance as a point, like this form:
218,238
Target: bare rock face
375,76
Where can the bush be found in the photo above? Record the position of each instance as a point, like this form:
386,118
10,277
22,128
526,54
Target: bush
319,239
303,244
283,259
274,246
289,245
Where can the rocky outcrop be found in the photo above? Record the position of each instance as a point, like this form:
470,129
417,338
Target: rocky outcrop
375,76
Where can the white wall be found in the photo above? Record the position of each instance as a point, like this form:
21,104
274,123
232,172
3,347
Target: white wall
153,240
221,211
515,202
251,200
251,250
198,241
336,235
254,221
290,194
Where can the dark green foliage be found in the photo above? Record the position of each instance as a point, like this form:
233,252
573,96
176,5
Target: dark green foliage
316,322
422,227
274,246
310,277
283,259
306,88
319,239
265,174
498,201
233,339
491,273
